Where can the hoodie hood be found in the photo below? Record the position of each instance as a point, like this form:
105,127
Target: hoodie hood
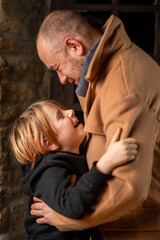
74,162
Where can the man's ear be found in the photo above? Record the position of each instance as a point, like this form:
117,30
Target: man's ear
50,146
75,46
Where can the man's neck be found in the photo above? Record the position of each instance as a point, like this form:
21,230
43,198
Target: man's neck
93,39
83,84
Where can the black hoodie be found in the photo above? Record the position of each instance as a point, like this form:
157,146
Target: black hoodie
50,180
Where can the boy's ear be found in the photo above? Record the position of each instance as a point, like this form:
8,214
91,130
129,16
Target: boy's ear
50,146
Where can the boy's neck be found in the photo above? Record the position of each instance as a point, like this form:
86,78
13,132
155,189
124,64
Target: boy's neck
72,150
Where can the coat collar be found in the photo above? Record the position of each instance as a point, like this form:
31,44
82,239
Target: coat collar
83,84
114,38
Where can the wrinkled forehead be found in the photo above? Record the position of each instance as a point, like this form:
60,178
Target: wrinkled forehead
46,47
49,52
43,50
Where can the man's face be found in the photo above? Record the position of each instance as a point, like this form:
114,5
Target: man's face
69,69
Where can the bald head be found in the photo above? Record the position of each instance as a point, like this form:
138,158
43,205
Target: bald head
61,24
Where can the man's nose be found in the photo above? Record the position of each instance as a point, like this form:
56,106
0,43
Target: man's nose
63,78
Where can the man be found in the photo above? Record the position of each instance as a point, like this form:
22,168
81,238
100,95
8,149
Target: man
122,90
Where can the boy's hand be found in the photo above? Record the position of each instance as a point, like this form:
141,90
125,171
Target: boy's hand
118,153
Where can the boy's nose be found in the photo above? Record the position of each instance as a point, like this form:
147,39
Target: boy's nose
71,113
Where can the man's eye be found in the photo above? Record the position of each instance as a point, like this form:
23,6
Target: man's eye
52,69
57,69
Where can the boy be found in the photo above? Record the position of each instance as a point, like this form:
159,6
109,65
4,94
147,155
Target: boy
46,140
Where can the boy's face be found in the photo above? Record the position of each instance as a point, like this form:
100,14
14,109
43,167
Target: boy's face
70,133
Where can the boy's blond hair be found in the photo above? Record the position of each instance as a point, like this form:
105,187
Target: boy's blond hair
31,130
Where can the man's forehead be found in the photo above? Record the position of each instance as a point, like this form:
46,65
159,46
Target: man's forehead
46,55
43,46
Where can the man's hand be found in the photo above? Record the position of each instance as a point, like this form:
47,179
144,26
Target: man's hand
43,211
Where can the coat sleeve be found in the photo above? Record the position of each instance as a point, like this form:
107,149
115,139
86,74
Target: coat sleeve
130,184
53,186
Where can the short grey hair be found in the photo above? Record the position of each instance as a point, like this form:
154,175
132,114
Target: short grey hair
61,24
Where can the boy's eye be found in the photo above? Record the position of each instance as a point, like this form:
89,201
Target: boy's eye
60,116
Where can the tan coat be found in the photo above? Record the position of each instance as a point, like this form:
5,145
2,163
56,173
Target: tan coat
124,91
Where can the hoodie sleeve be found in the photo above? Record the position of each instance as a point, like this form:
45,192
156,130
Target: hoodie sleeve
53,186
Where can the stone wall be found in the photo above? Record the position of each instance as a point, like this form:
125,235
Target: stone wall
23,80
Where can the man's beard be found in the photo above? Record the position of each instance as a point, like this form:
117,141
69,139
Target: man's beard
77,70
